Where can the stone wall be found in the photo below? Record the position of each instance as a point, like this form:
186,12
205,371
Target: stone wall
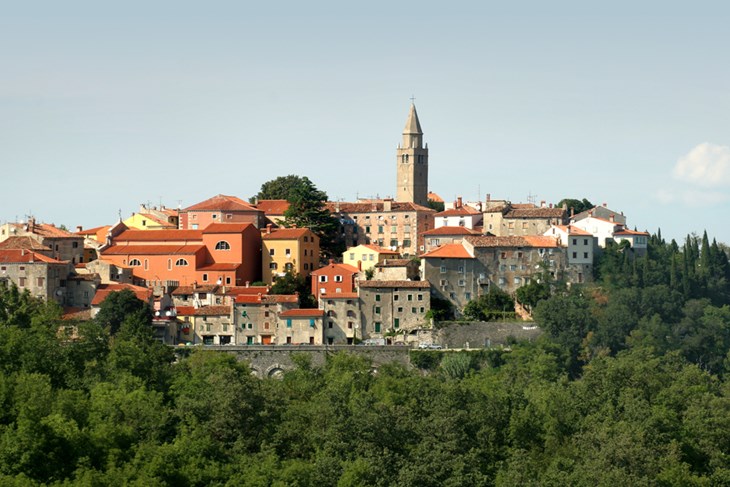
484,335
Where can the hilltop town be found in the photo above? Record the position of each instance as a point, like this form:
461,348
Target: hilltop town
213,271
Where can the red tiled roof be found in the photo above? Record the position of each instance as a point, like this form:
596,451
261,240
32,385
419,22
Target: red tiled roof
266,298
379,250
43,230
375,207
284,233
526,241
302,312
202,288
573,230
450,231
92,231
25,242
462,210
226,228
273,207
76,313
406,284
449,251
152,249
434,197
237,290
22,256
626,231
334,267
142,293
203,311
159,236
222,202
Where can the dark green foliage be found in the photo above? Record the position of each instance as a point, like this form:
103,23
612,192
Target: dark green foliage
293,283
306,210
578,206
118,306
441,310
490,306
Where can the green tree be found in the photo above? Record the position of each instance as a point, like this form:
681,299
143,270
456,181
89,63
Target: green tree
117,306
307,209
489,306
578,206
293,283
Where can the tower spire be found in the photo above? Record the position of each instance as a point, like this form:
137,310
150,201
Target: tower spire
412,162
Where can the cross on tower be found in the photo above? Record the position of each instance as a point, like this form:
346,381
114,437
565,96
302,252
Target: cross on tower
413,98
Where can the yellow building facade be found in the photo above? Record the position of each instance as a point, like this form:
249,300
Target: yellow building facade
365,256
288,249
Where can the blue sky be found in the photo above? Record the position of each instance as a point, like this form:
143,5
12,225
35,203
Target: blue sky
103,107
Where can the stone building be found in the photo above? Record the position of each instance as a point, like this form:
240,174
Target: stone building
301,327
397,270
504,219
445,235
391,309
208,325
384,223
412,163
63,245
455,275
256,317
342,320
37,273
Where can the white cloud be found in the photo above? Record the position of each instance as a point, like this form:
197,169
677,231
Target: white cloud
705,165
691,197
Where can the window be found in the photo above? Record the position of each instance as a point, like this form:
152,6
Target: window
352,255
503,255
222,245
380,228
338,278
21,282
467,296
133,263
272,252
413,310
420,297
410,297
306,266
367,229
396,323
393,229
169,264
377,310
513,267
205,277
377,297
195,225
228,279
400,309
462,282
40,281
575,241
443,269
396,297
330,324
377,327
406,243
311,322
146,264
181,262
287,253
585,255
585,241
393,242
273,265
517,281
575,255
75,245
288,323
322,278
349,325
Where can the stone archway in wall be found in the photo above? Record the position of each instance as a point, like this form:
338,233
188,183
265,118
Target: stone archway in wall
275,371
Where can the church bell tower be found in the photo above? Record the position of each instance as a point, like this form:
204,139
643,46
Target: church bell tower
412,163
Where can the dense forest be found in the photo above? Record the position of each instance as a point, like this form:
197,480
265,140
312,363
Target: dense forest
627,386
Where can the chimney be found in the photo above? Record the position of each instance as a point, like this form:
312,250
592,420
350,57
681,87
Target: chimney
572,212
79,228
268,229
387,205
551,205
489,197
248,283
611,218
458,202
604,205
337,206
542,204
332,262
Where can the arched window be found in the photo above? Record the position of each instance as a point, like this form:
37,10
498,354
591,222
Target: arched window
222,245
134,263
181,262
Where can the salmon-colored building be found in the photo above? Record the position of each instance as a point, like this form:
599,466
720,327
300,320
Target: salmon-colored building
220,209
222,253
334,279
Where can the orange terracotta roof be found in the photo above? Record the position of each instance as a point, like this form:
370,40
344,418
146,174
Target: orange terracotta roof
203,311
405,284
379,250
434,197
526,241
573,230
267,298
464,210
76,313
375,207
285,233
222,202
273,207
626,231
152,249
142,293
43,230
93,232
159,236
203,288
22,256
449,251
302,313
334,267
25,242
237,290
450,231
226,228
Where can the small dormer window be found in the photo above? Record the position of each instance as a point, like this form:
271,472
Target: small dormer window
222,245
135,263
